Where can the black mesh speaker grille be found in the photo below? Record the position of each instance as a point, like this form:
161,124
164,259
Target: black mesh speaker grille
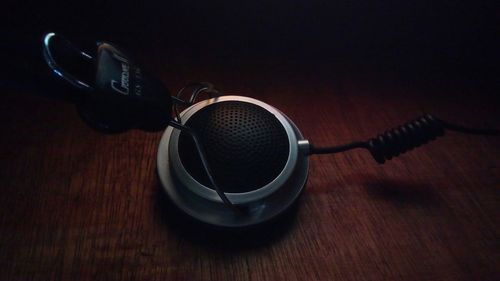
246,146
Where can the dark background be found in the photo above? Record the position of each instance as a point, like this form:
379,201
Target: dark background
425,41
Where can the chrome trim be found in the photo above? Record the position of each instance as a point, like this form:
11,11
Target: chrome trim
304,146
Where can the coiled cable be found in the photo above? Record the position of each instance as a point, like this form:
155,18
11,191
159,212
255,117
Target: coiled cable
406,137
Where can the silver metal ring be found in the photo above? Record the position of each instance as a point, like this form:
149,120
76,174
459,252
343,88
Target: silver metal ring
235,198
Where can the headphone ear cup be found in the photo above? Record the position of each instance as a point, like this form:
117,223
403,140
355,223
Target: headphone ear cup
255,153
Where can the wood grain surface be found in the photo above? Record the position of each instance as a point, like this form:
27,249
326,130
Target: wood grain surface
80,205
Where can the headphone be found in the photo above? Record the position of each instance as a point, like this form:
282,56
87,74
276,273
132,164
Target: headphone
228,161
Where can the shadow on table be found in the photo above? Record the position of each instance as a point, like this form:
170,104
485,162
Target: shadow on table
218,238
402,193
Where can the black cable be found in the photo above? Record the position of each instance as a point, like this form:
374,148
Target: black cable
199,87
177,123
406,137
336,149
205,165
466,130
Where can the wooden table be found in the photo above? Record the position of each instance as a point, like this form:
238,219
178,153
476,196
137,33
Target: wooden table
80,205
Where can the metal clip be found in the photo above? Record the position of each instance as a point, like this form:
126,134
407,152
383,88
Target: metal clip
47,54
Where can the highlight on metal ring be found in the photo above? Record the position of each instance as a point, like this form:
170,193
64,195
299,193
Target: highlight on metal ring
49,58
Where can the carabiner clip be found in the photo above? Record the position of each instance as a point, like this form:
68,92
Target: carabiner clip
49,58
